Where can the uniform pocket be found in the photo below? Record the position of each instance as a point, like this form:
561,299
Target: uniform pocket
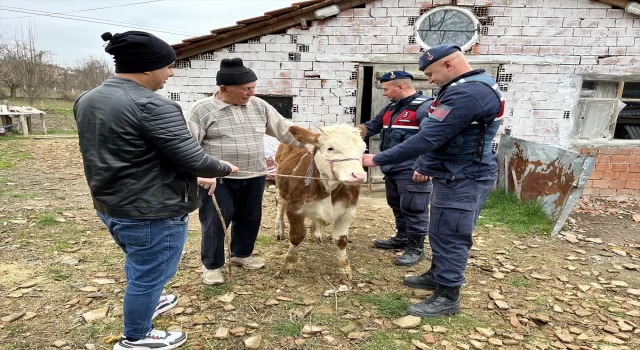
416,198
133,234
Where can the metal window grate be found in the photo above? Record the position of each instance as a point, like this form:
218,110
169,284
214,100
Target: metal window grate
566,114
294,39
294,56
412,20
174,96
294,109
182,64
303,48
412,39
481,11
232,48
350,110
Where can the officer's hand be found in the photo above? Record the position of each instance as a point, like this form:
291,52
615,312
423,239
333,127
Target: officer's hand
417,177
367,160
234,169
207,184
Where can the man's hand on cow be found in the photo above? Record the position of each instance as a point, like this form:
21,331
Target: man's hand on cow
234,169
367,160
207,184
417,177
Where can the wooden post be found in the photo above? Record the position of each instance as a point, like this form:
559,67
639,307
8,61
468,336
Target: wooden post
44,127
23,125
29,125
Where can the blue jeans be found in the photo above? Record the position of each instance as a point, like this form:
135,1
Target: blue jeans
153,249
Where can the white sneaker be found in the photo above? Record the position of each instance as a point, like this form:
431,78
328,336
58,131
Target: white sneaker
166,303
155,339
249,262
213,277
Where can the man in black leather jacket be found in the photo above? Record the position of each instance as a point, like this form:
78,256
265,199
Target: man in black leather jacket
141,164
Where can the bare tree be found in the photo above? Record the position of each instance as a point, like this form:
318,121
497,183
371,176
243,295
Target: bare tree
9,77
35,68
91,72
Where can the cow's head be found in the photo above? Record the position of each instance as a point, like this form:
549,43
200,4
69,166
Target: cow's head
339,150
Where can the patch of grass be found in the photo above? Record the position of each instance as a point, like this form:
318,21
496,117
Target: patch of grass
286,329
9,158
265,241
607,304
387,341
390,305
47,219
521,282
504,209
213,291
49,105
57,273
60,245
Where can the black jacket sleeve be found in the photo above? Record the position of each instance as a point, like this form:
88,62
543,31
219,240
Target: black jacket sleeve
165,126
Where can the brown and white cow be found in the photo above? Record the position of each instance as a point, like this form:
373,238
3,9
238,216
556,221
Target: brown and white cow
332,199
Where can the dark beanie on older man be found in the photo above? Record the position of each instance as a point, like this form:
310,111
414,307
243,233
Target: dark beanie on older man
233,72
137,52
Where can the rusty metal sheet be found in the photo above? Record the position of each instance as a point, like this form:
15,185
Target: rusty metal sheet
553,176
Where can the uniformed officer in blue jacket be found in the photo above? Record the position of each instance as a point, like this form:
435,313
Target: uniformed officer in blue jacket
407,193
454,148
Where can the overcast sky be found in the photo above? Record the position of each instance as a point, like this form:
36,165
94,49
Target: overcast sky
72,40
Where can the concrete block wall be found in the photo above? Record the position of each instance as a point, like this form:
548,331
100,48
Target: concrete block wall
545,46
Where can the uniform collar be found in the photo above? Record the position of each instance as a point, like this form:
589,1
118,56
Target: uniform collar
467,74
408,99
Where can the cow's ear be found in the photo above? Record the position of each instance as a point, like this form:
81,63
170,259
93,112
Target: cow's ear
361,131
304,136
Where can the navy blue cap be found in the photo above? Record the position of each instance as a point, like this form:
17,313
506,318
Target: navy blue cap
395,74
435,53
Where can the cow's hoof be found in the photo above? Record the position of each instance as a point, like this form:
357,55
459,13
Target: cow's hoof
346,272
286,269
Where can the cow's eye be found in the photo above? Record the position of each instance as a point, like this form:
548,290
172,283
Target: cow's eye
330,149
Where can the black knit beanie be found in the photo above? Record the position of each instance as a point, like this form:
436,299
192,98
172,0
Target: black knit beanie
137,52
233,72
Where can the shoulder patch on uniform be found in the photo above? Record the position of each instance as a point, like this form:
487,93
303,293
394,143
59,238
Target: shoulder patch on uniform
439,112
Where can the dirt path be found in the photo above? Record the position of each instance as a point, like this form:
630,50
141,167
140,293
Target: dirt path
57,263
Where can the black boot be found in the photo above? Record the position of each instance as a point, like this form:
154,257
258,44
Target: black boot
425,281
411,256
414,252
444,301
396,242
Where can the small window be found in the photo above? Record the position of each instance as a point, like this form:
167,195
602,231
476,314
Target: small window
294,39
608,110
207,56
303,48
350,110
412,39
282,104
174,96
412,21
253,41
447,25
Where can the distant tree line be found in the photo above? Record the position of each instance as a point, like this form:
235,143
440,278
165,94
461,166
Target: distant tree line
28,72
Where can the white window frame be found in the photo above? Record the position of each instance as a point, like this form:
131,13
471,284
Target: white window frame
464,11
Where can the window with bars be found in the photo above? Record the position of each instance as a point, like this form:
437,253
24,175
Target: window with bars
566,114
412,39
480,11
447,24
294,39
182,64
174,96
412,20
303,48
608,110
295,56
253,41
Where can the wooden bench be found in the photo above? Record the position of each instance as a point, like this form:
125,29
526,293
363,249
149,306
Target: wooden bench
24,115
